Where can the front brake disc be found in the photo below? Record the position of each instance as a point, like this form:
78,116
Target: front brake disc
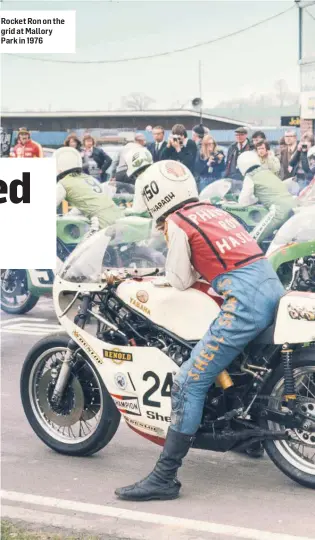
70,410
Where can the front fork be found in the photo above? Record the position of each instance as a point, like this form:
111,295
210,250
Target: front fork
65,370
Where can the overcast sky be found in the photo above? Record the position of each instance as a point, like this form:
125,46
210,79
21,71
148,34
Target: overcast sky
235,67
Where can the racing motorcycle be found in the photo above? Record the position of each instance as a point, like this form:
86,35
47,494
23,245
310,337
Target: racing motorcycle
126,335
20,290
121,193
292,251
220,194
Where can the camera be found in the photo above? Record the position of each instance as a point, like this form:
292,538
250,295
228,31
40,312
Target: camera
304,147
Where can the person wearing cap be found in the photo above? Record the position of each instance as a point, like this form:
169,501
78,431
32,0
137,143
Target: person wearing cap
25,147
198,133
241,145
95,160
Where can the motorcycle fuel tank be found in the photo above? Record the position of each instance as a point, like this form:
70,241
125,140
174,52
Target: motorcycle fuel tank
188,314
295,318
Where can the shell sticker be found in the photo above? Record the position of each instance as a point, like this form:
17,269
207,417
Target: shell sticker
142,296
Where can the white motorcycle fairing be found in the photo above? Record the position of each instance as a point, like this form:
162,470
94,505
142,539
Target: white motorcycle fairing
139,378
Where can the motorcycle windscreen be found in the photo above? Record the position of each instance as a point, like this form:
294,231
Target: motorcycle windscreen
113,189
299,228
216,190
131,243
307,195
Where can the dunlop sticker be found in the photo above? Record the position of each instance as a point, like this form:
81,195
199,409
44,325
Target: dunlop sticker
87,347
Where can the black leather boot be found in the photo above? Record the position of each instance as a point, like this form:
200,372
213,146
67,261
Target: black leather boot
161,482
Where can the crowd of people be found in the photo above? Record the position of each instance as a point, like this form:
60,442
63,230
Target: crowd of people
201,154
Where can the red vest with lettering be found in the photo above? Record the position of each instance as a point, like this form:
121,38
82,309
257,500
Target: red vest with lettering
218,242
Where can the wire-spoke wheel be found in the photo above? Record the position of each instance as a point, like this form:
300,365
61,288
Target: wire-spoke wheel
14,293
296,457
85,419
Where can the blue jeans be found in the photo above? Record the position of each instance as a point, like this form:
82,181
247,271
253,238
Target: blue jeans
251,295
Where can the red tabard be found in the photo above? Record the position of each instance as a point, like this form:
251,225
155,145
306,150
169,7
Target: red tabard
218,242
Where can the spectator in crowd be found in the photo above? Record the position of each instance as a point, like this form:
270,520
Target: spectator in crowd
210,163
5,142
299,166
95,160
198,133
120,164
25,147
257,137
267,157
73,141
158,146
180,148
287,153
282,144
241,145
140,139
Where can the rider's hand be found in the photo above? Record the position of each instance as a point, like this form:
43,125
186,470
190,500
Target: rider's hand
94,224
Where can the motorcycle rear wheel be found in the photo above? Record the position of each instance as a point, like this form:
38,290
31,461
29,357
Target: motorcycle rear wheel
295,459
86,419
16,304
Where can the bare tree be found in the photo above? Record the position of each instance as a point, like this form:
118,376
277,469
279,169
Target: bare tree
282,91
137,101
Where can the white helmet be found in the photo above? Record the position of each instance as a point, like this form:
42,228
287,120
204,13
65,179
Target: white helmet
165,187
67,158
311,158
247,160
137,160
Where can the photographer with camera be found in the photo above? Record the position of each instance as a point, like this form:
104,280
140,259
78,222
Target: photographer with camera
298,165
210,163
180,148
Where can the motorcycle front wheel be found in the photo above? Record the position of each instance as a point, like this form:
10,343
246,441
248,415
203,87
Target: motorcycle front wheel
296,457
86,419
15,297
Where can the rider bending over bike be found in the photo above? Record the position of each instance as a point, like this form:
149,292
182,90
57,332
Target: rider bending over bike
263,186
202,241
83,191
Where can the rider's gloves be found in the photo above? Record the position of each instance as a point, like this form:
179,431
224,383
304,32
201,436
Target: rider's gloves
94,224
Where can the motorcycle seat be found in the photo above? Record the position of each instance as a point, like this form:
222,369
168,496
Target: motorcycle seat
266,337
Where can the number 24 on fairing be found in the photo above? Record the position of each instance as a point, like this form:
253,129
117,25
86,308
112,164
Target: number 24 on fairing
165,391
